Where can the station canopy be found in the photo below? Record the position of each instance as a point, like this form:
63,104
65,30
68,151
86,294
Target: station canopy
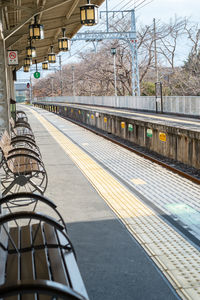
52,14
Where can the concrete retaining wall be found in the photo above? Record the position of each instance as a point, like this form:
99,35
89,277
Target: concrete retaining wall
175,143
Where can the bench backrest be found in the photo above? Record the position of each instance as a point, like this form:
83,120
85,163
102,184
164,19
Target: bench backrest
5,143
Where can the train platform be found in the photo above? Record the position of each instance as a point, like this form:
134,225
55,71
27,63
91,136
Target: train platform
135,225
172,120
173,137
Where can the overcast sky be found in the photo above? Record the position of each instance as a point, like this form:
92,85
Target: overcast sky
164,9
161,9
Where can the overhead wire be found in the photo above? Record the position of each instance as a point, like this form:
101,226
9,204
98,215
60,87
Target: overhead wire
126,6
102,25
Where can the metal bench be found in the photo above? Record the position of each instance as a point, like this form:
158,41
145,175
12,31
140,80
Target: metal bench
21,116
11,145
37,259
22,129
23,170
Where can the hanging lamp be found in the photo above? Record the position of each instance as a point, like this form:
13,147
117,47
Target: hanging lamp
28,61
30,50
89,14
45,65
64,43
26,68
36,31
51,56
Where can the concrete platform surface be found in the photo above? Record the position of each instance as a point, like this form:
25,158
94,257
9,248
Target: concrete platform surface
112,263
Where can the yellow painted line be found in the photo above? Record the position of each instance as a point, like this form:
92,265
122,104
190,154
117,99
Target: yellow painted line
147,116
177,259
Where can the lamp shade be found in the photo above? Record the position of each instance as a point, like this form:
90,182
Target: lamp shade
30,51
51,56
89,14
36,31
26,68
113,51
45,65
28,61
64,43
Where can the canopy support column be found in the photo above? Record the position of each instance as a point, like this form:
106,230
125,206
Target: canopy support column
4,99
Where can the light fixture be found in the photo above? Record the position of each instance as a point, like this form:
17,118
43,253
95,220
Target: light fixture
89,14
45,65
113,51
64,43
26,68
30,50
51,56
36,31
28,61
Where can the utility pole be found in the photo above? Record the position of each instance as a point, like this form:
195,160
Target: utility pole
155,49
60,69
113,52
73,81
107,24
128,36
51,86
31,91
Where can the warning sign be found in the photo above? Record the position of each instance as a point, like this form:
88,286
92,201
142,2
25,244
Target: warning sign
12,57
162,136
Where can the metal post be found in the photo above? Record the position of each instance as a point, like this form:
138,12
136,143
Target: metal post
115,75
155,50
73,81
61,82
135,69
51,86
31,90
107,24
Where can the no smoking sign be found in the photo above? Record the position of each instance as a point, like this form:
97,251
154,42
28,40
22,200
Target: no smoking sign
12,57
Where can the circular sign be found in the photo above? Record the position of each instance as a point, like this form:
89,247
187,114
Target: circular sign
37,75
12,55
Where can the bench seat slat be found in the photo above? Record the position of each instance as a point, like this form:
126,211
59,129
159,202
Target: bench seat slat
73,270
40,256
57,267
27,262
13,260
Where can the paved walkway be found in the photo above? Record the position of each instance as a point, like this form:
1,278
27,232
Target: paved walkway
113,265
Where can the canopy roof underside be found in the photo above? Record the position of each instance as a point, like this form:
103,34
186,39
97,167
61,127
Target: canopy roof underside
53,14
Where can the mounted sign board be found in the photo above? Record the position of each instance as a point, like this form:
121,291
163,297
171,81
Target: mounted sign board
12,57
130,127
37,75
162,136
149,132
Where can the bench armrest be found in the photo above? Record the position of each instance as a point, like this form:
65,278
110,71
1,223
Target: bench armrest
41,198
30,215
24,137
24,155
23,149
47,287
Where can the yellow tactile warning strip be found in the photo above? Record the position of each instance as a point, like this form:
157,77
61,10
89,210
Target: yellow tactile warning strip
177,259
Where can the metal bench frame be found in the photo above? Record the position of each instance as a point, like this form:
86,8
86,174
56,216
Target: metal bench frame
30,175
59,257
